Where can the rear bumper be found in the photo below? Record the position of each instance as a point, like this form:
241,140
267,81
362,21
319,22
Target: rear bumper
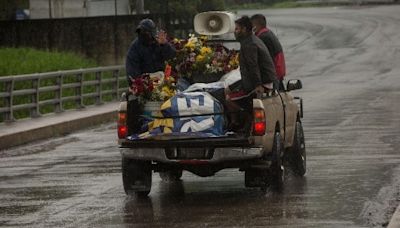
219,154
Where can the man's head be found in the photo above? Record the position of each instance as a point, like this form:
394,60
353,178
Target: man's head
147,29
259,22
243,27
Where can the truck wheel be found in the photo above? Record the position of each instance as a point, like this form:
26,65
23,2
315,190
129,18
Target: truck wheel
277,169
136,177
297,158
171,175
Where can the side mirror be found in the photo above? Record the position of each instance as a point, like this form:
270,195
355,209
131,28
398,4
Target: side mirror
294,84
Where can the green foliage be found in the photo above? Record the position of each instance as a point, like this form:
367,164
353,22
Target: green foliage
26,60
248,6
292,4
179,8
16,61
180,13
272,4
211,5
182,7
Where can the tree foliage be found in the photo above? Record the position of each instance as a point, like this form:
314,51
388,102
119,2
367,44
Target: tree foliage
182,7
243,2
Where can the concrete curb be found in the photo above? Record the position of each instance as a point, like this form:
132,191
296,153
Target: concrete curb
395,221
25,131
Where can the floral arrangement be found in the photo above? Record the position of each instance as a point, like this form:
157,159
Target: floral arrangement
154,87
196,57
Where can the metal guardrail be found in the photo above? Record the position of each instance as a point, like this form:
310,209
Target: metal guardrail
103,81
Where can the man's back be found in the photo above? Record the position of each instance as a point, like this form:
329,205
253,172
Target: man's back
254,57
271,41
275,50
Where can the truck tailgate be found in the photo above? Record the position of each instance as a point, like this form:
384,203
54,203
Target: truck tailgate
165,141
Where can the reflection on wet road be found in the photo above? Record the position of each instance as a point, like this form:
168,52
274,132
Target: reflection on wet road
347,59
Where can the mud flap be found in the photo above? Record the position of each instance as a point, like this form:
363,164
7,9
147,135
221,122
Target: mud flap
135,111
258,174
255,178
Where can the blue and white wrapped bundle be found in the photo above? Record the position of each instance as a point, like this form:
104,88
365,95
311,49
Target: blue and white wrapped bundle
192,113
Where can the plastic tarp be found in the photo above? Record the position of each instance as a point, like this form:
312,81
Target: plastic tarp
225,81
194,112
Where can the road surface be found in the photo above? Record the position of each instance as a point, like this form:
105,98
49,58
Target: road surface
348,60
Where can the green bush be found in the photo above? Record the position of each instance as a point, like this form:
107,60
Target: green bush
15,61
182,7
22,61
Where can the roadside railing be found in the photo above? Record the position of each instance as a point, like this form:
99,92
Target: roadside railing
32,95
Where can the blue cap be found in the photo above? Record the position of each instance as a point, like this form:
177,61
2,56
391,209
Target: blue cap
147,25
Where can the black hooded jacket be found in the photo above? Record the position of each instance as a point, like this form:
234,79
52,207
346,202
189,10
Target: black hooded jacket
147,58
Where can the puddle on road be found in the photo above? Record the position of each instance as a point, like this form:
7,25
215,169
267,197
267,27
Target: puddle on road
36,148
23,201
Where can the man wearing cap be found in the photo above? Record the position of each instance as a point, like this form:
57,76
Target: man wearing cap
148,52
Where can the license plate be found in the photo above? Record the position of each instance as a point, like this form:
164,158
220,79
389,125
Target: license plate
193,153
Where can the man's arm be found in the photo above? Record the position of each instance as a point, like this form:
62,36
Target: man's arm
250,54
132,64
167,51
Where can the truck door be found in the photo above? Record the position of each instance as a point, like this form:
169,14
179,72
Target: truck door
274,113
290,108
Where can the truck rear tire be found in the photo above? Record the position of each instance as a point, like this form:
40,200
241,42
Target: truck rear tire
171,175
136,177
297,157
277,170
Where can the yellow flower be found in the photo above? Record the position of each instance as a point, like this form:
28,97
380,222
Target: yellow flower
234,62
203,38
200,58
205,50
190,45
167,92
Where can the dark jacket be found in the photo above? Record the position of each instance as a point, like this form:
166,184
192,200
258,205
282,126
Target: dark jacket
275,50
256,66
142,58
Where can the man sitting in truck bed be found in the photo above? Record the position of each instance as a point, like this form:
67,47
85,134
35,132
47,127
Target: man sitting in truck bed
257,72
147,54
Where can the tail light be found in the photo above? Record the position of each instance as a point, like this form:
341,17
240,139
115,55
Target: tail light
259,124
122,128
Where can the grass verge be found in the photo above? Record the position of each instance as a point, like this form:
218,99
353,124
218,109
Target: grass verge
17,61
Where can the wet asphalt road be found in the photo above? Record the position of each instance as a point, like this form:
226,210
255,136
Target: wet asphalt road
349,62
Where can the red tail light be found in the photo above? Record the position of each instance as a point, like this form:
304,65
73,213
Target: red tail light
122,132
259,124
122,128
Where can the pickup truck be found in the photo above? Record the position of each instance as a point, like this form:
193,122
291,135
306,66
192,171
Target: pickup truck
275,141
